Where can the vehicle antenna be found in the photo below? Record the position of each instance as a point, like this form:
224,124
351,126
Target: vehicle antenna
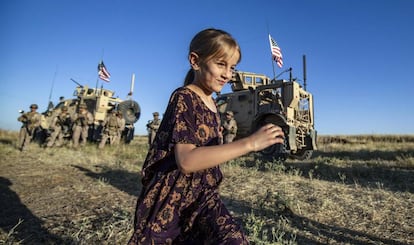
50,103
304,71
131,90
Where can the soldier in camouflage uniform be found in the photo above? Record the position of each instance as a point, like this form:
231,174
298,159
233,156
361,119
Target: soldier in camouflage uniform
229,127
81,122
111,129
60,126
122,125
152,127
31,121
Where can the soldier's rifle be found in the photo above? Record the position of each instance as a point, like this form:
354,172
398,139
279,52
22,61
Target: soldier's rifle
26,122
149,124
65,123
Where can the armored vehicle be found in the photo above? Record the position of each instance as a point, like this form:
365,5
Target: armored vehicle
99,102
257,100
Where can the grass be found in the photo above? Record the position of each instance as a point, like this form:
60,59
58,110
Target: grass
355,190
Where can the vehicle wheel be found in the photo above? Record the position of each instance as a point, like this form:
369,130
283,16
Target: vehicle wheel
130,111
269,150
303,155
277,151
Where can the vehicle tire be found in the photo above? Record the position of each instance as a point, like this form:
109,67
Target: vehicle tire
276,151
303,155
130,111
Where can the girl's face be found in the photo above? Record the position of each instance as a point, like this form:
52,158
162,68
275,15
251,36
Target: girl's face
212,75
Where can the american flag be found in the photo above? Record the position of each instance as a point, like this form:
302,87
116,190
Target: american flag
276,52
103,72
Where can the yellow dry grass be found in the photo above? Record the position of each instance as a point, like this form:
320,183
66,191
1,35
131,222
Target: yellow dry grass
355,190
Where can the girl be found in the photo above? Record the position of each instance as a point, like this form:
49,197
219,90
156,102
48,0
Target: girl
179,202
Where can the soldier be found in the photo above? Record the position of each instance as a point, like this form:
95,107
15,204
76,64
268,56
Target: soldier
152,127
81,122
60,126
122,125
111,129
229,127
31,121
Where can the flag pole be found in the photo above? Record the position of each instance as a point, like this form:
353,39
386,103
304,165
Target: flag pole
271,57
97,79
96,86
276,53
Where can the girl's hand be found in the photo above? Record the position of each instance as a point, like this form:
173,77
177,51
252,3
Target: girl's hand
266,136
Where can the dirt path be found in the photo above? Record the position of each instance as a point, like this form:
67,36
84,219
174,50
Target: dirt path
61,202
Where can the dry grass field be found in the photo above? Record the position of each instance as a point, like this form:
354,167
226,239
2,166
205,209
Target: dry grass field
355,190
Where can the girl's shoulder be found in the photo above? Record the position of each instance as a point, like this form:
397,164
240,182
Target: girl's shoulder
182,92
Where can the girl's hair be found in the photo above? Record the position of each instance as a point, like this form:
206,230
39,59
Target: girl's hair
211,43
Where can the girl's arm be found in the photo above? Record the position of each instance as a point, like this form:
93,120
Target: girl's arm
192,159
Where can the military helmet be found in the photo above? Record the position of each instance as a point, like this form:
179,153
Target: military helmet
230,113
64,108
82,106
155,114
34,106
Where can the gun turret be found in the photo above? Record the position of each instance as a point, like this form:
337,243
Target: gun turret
73,80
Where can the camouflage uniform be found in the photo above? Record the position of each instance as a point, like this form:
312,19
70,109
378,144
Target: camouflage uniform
122,126
31,121
152,127
111,129
80,128
60,126
229,128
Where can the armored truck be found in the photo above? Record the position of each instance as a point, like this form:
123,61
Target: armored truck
99,102
256,100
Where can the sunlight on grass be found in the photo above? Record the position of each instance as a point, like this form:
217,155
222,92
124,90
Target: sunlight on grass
355,190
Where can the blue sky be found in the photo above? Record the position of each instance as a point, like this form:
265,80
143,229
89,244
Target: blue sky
360,54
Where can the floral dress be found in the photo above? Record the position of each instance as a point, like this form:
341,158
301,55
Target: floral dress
177,208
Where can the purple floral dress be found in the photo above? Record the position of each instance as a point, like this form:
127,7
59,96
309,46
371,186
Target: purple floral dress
177,208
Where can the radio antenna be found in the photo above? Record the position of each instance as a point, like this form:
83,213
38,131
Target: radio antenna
304,72
50,103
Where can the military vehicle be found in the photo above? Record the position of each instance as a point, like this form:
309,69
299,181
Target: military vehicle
257,100
99,102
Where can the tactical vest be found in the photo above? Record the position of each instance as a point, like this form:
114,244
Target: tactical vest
82,121
32,119
31,116
63,119
113,122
